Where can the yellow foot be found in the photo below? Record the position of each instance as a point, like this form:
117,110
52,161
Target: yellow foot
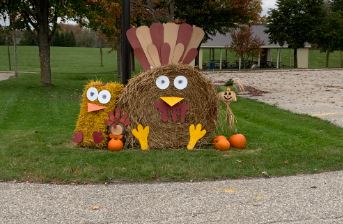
195,134
142,135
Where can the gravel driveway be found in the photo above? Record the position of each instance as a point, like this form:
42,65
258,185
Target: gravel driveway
318,93
298,199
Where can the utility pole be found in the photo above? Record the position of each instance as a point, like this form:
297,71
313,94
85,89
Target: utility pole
125,47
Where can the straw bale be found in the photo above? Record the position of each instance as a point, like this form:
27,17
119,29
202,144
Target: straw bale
141,92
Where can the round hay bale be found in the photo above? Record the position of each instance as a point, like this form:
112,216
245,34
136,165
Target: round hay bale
141,93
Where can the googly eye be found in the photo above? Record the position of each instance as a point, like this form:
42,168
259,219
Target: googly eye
92,94
104,96
162,82
180,82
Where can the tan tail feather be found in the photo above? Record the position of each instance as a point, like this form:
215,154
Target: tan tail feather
197,36
143,35
153,53
170,36
178,52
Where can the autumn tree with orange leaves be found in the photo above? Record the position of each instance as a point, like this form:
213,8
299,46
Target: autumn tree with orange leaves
103,16
244,43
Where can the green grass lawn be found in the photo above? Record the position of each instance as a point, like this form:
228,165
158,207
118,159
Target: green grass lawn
316,58
36,125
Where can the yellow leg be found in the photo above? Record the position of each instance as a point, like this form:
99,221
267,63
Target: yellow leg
142,135
195,134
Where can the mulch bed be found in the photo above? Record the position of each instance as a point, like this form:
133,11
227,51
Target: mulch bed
252,91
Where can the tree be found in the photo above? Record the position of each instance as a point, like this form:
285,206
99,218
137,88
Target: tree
56,39
28,39
212,16
293,22
329,32
244,43
103,16
69,39
40,18
337,6
3,36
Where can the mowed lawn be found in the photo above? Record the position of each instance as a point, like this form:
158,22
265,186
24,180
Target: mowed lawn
36,125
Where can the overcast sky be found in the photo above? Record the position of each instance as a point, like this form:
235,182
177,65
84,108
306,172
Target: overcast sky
267,4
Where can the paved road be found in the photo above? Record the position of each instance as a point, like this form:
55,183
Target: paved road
298,199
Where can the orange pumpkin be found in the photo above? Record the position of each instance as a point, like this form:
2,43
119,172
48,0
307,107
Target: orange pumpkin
218,137
238,141
115,145
221,143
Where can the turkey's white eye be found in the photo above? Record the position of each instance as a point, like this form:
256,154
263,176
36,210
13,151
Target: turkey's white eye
162,82
180,82
104,97
92,94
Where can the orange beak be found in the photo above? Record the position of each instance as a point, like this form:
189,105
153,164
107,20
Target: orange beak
93,107
171,100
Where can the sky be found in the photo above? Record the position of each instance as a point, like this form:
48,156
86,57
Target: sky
267,4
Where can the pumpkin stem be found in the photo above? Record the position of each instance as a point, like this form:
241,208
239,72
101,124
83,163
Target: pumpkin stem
116,137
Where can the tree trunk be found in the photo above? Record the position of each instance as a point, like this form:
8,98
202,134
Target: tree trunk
15,54
295,57
9,55
340,54
290,58
327,57
239,63
44,42
101,57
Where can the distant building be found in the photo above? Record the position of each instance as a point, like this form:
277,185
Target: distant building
223,42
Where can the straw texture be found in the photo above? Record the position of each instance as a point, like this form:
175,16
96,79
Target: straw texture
141,93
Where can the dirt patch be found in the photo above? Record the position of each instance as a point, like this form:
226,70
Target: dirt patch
252,91
334,87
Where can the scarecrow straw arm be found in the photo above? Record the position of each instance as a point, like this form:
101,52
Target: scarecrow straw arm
142,135
195,134
230,117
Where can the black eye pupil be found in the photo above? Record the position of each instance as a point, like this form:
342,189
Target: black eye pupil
104,96
163,81
92,94
180,81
